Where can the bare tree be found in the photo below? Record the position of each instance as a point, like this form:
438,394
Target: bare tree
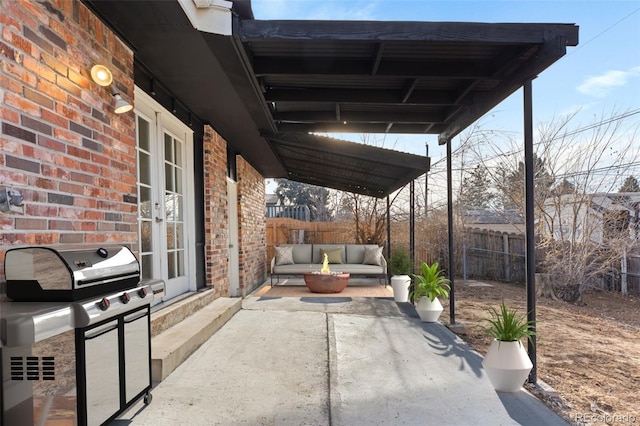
584,234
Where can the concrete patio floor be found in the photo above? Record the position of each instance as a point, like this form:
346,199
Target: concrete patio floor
333,360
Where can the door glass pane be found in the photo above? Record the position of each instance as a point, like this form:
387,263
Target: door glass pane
143,134
177,206
179,240
168,178
177,159
180,261
144,207
171,236
171,264
144,160
169,206
168,148
145,236
178,180
147,265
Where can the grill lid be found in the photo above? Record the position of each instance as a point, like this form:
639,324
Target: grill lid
69,273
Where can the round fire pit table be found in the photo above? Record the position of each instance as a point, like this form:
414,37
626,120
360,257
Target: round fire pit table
326,283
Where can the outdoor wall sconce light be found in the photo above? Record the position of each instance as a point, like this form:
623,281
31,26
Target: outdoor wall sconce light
10,199
103,77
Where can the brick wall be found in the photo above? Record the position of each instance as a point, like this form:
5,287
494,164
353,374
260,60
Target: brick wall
61,145
216,212
252,227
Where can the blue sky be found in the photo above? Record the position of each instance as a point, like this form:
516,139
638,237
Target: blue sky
600,75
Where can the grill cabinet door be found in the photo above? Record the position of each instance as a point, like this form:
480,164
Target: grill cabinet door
136,354
102,369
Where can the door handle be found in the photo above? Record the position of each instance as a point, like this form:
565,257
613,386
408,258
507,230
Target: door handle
159,219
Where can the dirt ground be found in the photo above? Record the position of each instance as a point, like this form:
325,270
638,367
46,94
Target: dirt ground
588,353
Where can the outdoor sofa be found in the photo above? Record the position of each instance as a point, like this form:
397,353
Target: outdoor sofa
355,259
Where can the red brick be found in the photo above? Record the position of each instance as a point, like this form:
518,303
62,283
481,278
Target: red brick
100,159
54,64
52,144
70,213
11,146
42,210
60,225
94,215
10,84
39,69
71,188
79,104
54,118
31,151
90,167
68,112
68,162
78,152
18,13
68,136
9,21
87,203
56,172
52,90
22,104
20,43
35,11
43,183
44,238
84,226
28,223
20,73
9,115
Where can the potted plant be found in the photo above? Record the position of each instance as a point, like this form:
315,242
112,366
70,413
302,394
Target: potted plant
507,363
430,285
400,266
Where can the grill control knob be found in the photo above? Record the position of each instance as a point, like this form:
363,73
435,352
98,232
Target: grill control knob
104,304
142,292
125,298
103,252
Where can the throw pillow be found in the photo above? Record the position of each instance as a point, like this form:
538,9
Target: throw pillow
373,256
284,256
334,255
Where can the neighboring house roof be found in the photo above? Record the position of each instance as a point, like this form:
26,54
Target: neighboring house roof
503,221
601,202
271,81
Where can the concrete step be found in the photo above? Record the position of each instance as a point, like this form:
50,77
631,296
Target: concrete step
177,341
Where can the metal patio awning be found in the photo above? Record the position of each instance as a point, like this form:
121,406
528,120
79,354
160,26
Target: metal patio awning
275,81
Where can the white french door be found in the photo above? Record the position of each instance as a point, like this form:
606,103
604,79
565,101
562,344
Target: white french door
165,203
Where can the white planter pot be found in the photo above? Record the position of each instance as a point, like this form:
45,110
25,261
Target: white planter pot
427,310
400,285
507,364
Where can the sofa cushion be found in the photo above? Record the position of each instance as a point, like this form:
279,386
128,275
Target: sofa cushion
301,252
317,256
355,252
372,256
284,256
333,256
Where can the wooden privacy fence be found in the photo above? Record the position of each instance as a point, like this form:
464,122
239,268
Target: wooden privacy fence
493,255
292,231
632,275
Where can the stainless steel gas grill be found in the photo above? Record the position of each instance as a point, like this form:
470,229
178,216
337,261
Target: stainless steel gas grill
75,339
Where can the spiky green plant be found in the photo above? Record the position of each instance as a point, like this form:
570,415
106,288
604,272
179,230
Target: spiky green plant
431,283
506,325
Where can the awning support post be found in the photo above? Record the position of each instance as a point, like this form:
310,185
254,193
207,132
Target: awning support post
452,298
530,263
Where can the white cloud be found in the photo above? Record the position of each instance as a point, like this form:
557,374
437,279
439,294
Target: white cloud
600,86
